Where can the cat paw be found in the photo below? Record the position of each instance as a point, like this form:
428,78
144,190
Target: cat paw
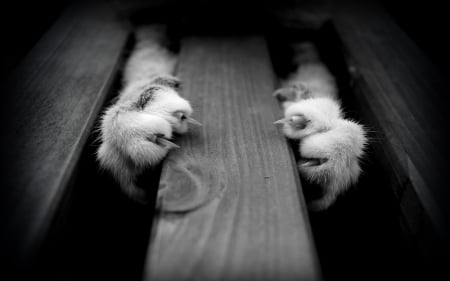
310,116
142,138
131,142
331,159
164,101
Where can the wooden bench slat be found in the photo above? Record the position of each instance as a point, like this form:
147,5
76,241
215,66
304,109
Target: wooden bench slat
405,97
52,101
232,208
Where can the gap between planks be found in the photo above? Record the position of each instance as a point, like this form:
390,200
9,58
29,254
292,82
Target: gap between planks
51,103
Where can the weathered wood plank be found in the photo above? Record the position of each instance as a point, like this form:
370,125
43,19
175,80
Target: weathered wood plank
407,93
230,198
405,98
50,105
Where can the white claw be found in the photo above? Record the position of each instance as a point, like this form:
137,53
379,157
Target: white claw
281,121
312,162
167,143
191,120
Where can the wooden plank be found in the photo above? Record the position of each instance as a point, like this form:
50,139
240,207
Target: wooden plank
51,103
408,94
405,98
232,207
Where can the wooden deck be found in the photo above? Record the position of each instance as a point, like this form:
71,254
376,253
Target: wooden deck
403,97
230,204
230,197
51,103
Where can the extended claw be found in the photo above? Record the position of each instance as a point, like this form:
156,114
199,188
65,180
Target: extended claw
162,141
310,162
167,143
281,121
193,121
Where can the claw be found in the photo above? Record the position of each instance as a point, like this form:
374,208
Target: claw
310,162
162,141
281,121
193,121
166,143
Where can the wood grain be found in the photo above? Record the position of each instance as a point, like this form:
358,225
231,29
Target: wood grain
230,198
49,107
405,99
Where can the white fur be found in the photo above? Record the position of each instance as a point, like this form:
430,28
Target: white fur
128,127
166,103
316,78
321,112
127,131
311,75
125,150
343,146
150,57
330,146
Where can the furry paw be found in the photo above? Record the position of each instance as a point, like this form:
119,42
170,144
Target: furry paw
132,141
159,99
310,116
331,159
168,104
136,130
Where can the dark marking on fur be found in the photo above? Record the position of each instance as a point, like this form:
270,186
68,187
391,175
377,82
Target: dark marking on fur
147,96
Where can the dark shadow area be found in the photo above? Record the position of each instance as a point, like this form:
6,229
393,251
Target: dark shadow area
100,234
361,236
425,23
22,24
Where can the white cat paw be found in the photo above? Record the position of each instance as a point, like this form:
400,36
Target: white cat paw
331,159
310,116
